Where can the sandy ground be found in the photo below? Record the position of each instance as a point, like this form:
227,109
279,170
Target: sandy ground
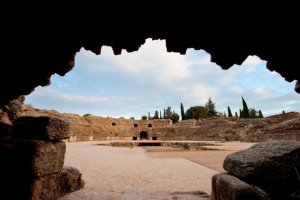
113,173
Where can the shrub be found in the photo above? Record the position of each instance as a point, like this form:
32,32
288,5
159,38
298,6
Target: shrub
186,146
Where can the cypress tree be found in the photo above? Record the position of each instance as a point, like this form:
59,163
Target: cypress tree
148,115
156,115
260,115
245,109
236,114
164,113
159,114
241,113
229,112
182,111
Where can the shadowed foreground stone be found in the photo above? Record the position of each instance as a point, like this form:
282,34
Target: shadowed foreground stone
31,157
228,187
49,187
271,165
41,128
57,185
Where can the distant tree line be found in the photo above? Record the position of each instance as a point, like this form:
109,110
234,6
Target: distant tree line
202,112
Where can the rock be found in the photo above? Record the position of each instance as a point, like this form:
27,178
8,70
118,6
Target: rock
31,157
270,165
40,128
14,108
228,187
49,187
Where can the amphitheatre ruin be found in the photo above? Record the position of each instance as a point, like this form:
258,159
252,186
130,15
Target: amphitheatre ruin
37,44
153,132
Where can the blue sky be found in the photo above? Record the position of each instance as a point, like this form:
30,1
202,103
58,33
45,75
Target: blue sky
134,84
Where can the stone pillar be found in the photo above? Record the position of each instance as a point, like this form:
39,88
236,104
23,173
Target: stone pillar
32,160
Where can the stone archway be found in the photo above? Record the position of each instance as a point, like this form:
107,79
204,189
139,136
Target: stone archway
143,135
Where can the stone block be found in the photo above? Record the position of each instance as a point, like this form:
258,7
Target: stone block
228,187
40,128
49,187
271,165
31,157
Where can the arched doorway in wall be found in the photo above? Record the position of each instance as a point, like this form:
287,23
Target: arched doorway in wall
143,135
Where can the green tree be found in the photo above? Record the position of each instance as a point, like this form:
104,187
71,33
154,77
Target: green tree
236,114
144,117
246,112
241,114
168,113
159,114
229,112
155,115
253,113
174,117
211,108
182,111
164,113
196,112
132,118
149,116
260,115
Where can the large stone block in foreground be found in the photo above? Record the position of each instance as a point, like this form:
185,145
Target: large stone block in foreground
40,128
266,161
228,187
31,157
273,166
49,187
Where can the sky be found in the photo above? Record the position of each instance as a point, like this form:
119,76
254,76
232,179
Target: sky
141,82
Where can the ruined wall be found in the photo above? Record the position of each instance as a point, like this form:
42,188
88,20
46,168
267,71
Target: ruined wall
93,128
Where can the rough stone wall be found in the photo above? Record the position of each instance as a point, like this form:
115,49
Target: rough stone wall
32,160
225,129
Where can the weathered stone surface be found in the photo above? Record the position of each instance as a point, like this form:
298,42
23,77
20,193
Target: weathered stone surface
74,178
31,157
228,187
14,108
273,160
41,128
5,124
4,119
57,185
49,187
271,165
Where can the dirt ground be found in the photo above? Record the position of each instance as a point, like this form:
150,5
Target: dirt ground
149,172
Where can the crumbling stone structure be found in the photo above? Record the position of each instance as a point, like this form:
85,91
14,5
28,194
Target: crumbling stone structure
267,170
32,160
32,155
48,44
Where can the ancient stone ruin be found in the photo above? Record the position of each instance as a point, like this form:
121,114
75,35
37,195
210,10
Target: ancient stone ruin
48,46
92,128
32,160
267,170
